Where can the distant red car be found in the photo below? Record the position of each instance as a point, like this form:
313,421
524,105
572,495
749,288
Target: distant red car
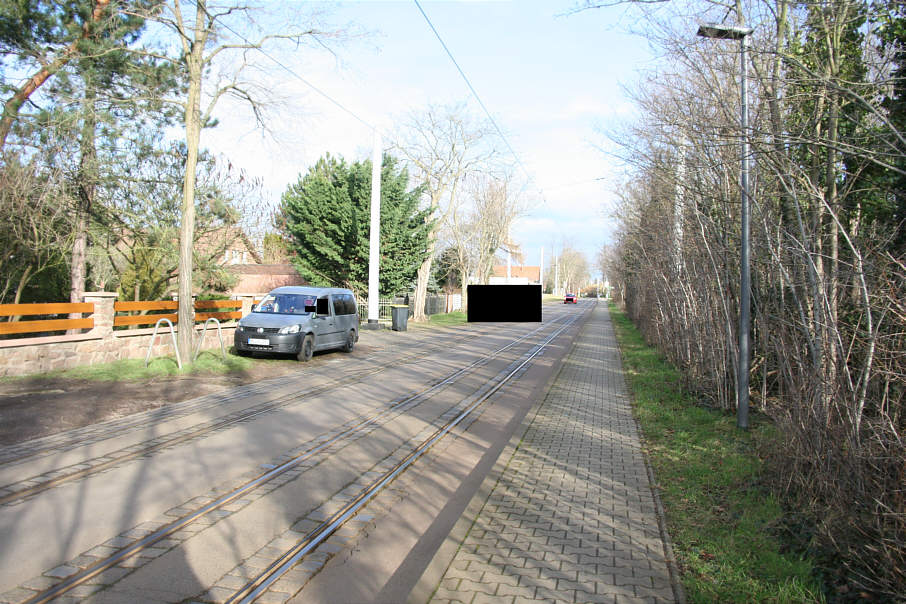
570,299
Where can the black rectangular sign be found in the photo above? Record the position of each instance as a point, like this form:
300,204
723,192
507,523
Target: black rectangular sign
504,303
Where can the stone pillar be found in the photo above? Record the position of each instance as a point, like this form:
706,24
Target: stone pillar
247,301
103,312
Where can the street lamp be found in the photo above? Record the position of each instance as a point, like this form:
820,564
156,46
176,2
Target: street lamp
738,32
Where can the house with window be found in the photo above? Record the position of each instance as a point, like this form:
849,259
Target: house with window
242,257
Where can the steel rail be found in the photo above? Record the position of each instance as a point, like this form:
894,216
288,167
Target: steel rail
163,532
15,495
77,442
252,590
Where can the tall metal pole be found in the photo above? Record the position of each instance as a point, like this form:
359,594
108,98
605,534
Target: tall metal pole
374,247
745,286
541,270
741,33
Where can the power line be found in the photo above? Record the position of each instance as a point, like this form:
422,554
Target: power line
474,92
365,123
303,80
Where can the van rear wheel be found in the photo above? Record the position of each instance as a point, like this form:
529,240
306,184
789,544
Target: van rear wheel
350,341
306,349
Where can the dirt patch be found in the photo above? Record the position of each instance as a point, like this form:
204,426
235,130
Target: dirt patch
38,407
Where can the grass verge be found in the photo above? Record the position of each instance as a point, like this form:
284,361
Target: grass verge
448,319
208,362
720,517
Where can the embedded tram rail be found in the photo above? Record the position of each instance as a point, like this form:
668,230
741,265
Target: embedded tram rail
32,485
90,573
256,587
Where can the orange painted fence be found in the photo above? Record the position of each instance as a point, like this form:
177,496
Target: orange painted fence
209,308
11,326
222,310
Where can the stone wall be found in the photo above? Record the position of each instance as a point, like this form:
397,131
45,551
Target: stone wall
103,344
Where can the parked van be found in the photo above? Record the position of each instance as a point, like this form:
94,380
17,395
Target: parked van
299,321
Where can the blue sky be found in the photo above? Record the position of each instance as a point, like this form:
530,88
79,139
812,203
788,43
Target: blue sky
551,83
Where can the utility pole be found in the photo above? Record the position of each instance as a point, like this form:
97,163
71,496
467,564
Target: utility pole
541,270
374,247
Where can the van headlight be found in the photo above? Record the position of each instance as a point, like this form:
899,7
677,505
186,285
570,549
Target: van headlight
289,329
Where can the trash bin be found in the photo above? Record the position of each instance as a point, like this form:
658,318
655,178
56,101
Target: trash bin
399,317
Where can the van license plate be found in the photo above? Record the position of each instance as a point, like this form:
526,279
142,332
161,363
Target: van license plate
259,342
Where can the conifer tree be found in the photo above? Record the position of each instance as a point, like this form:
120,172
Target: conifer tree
327,219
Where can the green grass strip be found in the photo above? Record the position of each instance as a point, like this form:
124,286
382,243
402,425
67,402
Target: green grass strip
448,319
209,362
720,517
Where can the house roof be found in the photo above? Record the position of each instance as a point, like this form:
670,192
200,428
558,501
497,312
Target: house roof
532,273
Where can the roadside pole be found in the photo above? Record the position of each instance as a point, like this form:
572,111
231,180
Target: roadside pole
374,247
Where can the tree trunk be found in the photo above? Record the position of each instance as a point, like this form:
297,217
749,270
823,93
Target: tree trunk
11,107
421,282
833,285
195,64
27,274
87,185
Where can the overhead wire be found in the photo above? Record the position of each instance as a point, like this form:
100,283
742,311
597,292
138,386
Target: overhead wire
367,124
478,98
303,80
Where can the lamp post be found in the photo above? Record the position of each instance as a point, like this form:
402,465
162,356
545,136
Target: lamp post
738,32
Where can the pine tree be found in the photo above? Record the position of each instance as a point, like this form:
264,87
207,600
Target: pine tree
327,218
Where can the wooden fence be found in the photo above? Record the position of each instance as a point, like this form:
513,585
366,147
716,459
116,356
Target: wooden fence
144,308
36,338
15,311
127,314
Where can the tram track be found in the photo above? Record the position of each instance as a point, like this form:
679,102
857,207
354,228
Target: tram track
21,452
255,588
360,424
12,493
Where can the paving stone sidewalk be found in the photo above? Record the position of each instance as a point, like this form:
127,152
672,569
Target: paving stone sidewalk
572,518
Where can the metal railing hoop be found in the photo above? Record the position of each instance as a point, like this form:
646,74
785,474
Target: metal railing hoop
172,337
204,330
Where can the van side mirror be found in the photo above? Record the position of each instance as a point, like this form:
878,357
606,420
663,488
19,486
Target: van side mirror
254,307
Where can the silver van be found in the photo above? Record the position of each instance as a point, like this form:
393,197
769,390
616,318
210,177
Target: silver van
299,321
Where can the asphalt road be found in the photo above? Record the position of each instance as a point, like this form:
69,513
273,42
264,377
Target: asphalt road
123,480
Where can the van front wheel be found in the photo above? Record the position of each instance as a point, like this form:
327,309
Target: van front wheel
306,349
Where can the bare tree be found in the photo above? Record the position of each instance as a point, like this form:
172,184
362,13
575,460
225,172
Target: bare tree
480,227
574,271
826,246
444,146
36,226
204,36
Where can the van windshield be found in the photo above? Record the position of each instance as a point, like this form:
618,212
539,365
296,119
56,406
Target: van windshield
287,304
